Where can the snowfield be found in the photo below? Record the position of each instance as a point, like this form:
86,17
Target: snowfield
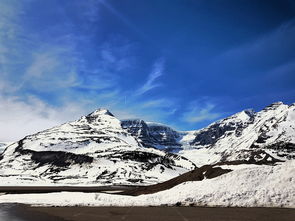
245,186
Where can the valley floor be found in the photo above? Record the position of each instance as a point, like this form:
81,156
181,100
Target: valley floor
26,213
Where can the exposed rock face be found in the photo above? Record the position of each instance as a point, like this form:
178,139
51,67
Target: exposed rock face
153,134
164,135
233,125
138,129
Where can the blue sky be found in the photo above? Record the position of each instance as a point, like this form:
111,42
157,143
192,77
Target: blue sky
185,63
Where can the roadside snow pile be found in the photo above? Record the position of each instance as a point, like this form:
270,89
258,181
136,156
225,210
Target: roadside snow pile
267,186
254,186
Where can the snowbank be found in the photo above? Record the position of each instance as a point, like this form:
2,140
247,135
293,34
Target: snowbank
260,186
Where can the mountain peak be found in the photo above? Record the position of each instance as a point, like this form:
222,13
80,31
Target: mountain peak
274,105
101,111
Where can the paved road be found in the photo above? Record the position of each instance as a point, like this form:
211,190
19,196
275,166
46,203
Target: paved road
167,213
51,189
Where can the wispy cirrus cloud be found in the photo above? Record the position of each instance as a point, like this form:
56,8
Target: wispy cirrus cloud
200,111
57,67
34,58
122,18
158,103
157,71
52,67
10,29
115,56
27,61
31,66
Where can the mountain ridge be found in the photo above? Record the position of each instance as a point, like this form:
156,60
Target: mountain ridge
108,151
92,150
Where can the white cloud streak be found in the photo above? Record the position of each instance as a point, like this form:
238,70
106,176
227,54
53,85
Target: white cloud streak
9,30
158,103
151,83
20,118
200,112
51,68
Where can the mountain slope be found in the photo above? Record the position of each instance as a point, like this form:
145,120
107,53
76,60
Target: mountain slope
92,150
270,131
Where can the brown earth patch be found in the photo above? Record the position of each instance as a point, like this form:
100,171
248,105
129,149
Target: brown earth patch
207,171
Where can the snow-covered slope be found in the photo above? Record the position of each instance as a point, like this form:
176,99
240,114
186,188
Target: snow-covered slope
271,131
92,150
255,186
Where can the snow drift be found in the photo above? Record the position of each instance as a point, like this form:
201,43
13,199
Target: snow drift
246,186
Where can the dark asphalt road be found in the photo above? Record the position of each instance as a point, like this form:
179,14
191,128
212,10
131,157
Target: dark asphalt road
167,213
51,189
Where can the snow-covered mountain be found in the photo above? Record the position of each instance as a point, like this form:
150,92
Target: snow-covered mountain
92,150
240,136
100,149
